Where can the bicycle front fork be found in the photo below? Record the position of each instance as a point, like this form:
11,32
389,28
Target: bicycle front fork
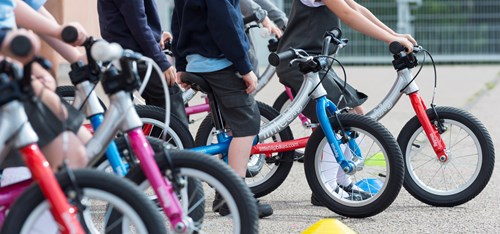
323,105
430,130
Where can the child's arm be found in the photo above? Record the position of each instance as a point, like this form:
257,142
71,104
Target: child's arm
249,7
10,35
225,24
68,52
28,18
274,13
359,22
369,15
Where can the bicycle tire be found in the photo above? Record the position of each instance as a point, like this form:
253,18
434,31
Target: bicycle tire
383,167
32,201
434,192
278,169
281,101
67,93
208,169
178,133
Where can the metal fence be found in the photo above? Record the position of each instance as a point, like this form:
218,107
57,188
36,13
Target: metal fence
454,31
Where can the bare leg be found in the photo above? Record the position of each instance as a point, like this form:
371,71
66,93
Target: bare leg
238,154
73,152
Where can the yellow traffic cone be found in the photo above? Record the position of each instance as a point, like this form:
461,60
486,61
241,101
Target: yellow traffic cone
330,226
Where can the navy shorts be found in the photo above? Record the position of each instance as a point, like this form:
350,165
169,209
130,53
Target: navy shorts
239,109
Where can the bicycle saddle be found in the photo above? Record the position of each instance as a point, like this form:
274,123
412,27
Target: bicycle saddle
197,82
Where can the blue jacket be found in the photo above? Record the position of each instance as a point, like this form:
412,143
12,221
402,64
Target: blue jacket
135,25
212,29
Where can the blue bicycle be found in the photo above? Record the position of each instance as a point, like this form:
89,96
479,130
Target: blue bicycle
352,163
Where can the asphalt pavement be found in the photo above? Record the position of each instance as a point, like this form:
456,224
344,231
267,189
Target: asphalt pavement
471,87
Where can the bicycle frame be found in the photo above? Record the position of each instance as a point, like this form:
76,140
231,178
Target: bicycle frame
323,106
121,116
17,131
403,79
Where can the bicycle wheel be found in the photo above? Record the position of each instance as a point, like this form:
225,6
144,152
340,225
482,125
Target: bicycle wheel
67,93
372,188
298,128
153,118
30,212
262,178
216,177
471,158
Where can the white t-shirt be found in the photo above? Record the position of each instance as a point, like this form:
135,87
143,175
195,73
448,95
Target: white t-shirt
312,3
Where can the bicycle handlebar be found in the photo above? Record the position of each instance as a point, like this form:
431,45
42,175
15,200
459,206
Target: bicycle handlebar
396,48
20,46
332,36
69,34
275,58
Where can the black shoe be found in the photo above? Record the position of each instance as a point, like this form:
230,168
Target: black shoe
264,210
218,202
298,156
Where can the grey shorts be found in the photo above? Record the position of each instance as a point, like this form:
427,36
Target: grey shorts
342,97
239,109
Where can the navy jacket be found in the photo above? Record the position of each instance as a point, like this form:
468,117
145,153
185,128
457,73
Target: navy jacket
135,25
211,28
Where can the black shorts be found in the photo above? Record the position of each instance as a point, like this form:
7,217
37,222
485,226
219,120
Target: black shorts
239,109
45,123
334,86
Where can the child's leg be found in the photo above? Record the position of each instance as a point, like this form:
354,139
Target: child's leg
239,151
55,150
74,152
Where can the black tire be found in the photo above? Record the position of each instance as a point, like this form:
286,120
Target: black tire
178,133
87,180
383,164
281,101
433,191
208,168
67,93
277,167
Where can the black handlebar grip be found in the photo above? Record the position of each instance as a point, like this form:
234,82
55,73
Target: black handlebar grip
396,47
250,18
275,58
69,34
336,32
20,46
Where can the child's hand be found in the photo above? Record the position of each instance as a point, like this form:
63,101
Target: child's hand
82,34
165,36
251,82
405,42
170,75
409,37
271,27
35,45
179,81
